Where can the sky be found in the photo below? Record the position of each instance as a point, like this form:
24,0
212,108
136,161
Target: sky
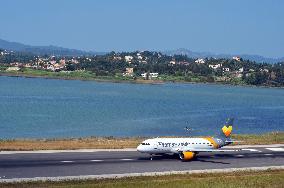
216,26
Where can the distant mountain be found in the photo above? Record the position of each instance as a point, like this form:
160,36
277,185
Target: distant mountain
43,50
256,58
60,51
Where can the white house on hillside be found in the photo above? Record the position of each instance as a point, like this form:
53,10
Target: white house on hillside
200,61
215,66
226,69
237,58
128,58
151,75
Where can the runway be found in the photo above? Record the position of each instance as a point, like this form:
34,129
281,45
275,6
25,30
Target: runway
15,166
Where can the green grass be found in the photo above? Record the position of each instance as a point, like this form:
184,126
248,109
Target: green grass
72,75
221,180
268,138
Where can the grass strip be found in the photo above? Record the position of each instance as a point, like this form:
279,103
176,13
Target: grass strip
269,178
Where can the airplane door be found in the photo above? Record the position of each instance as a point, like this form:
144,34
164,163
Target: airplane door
156,146
157,149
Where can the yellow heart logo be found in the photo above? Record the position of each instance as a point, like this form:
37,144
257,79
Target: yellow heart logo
227,130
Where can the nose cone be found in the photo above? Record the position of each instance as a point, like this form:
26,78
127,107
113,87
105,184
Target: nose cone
139,148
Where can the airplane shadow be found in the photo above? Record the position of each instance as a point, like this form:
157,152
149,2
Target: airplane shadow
203,159
160,157
210,161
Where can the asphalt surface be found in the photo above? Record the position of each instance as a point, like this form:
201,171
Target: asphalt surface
30,165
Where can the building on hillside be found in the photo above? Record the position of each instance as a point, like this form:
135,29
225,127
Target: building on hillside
117,58
28,65
183,63
272,75
215,66
75,61
139,56
239,75
128,72
62,62
199,61
241,70
128,58
226,69
150,75
251,70
237,58
52,62
264,70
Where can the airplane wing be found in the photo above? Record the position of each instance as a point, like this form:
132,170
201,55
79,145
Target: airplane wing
208,150
214,150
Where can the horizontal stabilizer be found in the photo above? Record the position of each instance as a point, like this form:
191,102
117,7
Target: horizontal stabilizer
233,141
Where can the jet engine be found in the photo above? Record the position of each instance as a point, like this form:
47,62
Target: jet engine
187,155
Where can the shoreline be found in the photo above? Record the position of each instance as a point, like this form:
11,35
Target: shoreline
85,79
139,81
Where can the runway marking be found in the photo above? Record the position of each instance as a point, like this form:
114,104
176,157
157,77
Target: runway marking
67,161
268,154
251,150
127,159
96,160
240,155
275,149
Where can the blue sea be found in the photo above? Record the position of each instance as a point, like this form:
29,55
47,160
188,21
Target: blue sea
49,108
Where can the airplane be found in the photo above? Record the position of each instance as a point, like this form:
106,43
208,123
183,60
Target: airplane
188,148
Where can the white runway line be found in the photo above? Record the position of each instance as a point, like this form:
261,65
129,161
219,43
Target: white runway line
251,150
96,160
67,161
268,154
126,159
276,149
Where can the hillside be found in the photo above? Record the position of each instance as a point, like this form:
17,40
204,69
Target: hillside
42,50
189,53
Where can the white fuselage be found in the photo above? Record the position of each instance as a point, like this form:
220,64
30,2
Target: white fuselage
175,145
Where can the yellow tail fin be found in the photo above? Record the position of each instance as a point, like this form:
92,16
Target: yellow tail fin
227,130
